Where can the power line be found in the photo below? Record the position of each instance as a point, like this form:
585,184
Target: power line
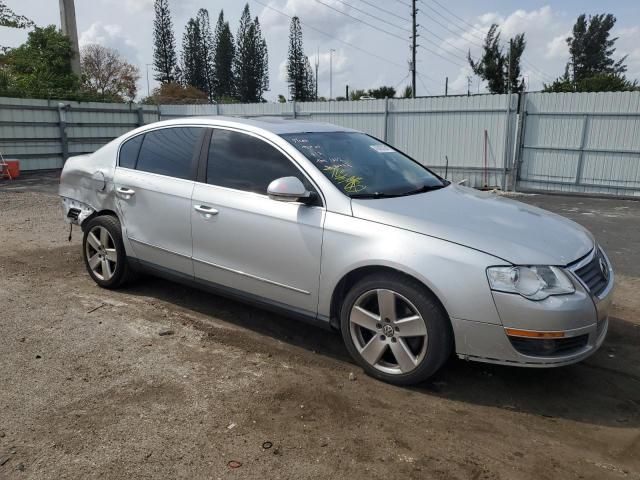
351,45
372,16
537,72
362,21
388,12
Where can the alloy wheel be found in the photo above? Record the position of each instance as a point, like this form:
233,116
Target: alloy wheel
388,331
101,253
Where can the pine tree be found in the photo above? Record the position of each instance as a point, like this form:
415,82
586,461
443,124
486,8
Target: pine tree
164,44
206,50
310,82
193,60
590,48
500,70
296,63
262,57
251,62
223,58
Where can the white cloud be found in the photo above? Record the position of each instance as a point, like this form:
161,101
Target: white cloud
110,35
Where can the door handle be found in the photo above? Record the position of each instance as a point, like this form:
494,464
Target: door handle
125,192
206,210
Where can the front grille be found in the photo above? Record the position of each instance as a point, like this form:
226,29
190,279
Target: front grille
549,347
592,275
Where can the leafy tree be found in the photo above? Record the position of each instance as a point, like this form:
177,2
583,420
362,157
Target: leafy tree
407,92
298,66
106,73
601,82
251,61
591,66
282,99
223,57
382,92
193,58
42,65
500,70
356,94
8,18
164,44
206,50
175,94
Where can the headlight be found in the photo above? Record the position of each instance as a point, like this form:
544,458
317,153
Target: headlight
534,283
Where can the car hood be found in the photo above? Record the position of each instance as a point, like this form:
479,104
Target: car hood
511,230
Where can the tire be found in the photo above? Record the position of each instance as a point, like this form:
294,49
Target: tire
103,252
409,342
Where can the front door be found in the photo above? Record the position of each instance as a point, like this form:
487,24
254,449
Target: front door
154,182
246,241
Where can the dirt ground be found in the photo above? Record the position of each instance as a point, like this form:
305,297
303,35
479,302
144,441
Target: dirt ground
90,389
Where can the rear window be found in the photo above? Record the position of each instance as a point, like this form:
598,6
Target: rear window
170,151
129,152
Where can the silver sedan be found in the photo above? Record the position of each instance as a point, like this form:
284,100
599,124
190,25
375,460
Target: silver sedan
333,226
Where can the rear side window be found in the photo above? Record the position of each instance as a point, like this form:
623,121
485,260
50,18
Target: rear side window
129,152
170,151
243,162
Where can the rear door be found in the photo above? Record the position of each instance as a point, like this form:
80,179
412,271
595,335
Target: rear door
154,182
246,241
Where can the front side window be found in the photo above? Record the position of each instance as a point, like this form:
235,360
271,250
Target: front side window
244,162
363,167
170,151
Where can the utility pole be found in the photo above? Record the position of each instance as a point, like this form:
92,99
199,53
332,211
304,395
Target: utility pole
446,86
509,74
70,29
317,64
468,86
414,46
331,50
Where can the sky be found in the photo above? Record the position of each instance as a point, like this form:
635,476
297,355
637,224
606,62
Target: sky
367,40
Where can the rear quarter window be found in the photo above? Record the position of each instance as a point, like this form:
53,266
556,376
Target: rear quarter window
129,152
170,151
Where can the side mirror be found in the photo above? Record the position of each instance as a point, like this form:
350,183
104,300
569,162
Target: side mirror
288,189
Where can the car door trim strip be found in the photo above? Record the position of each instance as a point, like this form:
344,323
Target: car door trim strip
254,277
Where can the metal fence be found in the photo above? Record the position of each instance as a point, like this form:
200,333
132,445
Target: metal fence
42,133
572,142
581,142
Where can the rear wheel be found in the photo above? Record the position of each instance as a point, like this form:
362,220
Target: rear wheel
103,252
395,329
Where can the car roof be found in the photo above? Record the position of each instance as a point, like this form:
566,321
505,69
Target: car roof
277,125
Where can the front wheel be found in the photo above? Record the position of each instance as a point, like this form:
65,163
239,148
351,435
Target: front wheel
103,252
395,329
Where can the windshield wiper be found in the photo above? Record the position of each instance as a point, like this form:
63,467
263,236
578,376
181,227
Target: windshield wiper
423,189
372,195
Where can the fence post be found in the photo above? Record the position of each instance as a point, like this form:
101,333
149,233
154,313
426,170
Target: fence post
519,146
293,106
140,116
386,117
62,122
507,134
583,143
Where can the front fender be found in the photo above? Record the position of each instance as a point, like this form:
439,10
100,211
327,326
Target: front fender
454,273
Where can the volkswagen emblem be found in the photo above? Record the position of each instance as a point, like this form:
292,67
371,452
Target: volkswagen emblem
387,330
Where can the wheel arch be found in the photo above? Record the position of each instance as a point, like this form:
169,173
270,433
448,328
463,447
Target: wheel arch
99,213
355,275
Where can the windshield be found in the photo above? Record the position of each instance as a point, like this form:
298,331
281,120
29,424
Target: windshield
363,167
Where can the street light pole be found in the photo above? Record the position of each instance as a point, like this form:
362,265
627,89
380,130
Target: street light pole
148,89
331,73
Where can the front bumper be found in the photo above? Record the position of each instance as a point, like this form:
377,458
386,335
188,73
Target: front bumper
578,323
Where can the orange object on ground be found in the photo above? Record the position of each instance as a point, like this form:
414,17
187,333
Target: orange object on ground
10,169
